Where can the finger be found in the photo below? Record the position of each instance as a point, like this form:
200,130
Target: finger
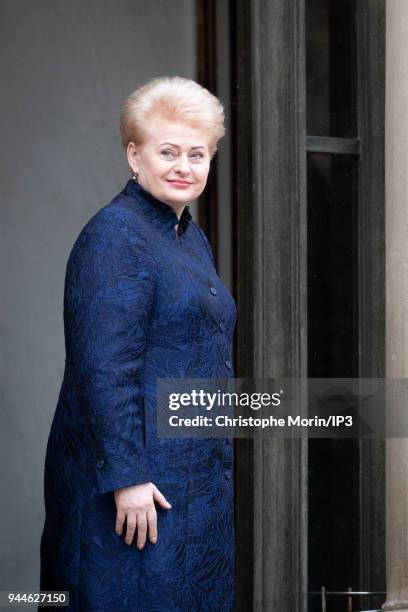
120,519
141,530
152,524
130,528
159,497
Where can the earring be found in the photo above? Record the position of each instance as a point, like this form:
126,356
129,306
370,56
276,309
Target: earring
135,177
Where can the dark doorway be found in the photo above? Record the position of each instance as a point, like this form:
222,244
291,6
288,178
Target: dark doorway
340,536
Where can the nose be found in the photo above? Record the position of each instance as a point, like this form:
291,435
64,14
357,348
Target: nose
182,166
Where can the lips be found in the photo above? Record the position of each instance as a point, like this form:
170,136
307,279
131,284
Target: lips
178,182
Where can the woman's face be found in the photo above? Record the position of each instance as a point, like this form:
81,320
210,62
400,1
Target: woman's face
173,162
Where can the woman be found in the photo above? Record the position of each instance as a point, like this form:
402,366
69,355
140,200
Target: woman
133,521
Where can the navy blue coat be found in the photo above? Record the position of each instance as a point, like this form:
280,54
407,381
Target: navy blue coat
140,303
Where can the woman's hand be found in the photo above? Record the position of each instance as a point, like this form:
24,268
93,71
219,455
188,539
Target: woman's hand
136,505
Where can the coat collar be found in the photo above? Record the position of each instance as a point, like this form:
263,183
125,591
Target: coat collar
159,213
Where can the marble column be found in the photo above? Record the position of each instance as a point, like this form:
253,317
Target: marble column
396,215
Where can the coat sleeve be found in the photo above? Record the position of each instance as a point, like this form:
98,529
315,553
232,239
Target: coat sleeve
207,245
109,293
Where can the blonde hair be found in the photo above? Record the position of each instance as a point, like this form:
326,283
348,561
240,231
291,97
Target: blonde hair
175,99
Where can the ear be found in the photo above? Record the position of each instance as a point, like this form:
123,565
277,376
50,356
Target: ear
132,152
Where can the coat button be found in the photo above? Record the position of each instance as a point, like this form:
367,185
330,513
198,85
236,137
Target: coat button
228,364
227,474
213,290
222,327
100,463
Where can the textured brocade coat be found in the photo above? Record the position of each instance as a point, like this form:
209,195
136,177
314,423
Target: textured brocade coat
140,303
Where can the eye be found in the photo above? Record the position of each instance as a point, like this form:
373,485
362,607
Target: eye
167,153
197,155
